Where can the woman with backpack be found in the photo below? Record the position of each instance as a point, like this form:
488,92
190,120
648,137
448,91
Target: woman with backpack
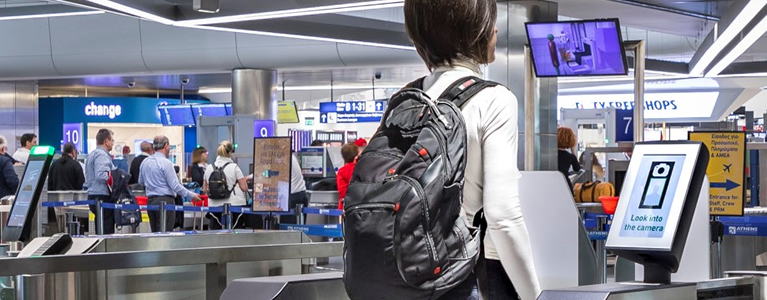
225,183
454,38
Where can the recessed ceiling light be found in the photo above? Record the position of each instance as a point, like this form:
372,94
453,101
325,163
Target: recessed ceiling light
51,15
290,13
745,16
132,11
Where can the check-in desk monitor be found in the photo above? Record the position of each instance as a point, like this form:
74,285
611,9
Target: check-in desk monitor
315,162
656,205
28,195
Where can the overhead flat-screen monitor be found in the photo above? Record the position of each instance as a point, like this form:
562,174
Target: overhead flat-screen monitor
28,194
654,213
577,48
210,110
176,115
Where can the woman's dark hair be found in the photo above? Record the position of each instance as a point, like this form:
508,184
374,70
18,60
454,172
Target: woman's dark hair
444,29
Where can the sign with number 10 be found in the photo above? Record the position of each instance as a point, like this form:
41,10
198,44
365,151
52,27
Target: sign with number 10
73,133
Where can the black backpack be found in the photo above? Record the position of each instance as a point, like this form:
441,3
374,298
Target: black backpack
218,188
404,237
120,193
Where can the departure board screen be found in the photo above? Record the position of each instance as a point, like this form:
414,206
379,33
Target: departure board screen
176,115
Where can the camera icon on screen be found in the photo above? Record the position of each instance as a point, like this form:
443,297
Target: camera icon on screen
661,170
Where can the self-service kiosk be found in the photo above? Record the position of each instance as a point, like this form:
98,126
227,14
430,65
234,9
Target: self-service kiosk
28,195
652,221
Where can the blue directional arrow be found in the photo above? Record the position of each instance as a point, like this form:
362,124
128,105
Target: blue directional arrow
727,185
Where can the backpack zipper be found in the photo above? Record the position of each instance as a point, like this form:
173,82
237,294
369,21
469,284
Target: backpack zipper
443,144
370,206
430,241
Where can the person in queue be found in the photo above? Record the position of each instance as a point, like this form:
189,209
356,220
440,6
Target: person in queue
317,143
199,164
158,176
234,179
135,165
349,152
121,161
465,40
297,190
566,159
98,170
65,174
9,181
28,140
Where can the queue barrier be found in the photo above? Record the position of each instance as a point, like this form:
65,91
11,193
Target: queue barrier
326,230
745,226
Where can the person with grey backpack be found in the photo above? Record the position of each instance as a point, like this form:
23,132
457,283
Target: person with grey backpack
432,210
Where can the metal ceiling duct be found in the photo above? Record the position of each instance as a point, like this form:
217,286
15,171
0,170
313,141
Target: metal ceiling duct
109,44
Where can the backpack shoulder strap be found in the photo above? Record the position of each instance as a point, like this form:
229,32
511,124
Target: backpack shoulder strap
418,83
221,167
465,88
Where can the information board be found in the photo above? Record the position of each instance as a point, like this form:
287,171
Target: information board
726,170
176,115
73,133
331,138
271,173
352,111
287,113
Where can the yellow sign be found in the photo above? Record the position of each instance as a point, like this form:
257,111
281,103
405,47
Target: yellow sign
287,112
726,170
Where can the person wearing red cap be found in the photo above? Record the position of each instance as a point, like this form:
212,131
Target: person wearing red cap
361,144
344,175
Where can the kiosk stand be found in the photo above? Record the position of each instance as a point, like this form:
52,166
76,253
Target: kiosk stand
652,221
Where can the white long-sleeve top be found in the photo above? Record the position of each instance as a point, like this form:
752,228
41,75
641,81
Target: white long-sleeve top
492,177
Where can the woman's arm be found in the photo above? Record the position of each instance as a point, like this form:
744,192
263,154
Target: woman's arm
506,225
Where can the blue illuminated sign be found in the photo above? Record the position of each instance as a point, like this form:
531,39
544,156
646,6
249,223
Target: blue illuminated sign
73,133
352,111
210,110
176,115
624,123
263,128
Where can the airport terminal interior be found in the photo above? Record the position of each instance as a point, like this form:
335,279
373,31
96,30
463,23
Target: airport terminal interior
202,149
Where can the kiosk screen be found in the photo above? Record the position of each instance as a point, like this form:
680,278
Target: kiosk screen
26,193
649,206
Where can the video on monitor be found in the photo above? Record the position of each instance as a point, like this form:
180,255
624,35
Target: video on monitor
577,48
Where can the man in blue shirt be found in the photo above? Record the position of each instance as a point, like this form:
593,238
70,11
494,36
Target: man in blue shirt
158,176
97,170
9,181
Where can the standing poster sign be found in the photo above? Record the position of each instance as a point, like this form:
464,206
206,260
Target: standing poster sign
271,173
726,170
